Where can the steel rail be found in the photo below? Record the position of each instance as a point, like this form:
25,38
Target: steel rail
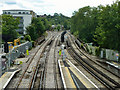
42,74
96,62
32,81
28,65
105,83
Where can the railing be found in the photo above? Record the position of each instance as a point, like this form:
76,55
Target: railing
14,53
17,51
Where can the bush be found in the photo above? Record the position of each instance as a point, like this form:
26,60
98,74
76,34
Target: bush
81,45
27,38
97,51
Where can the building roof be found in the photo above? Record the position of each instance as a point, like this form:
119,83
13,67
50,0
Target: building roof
17,10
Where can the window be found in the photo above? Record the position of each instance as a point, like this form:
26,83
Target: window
26,12
23,12
19,12
5,12
8,12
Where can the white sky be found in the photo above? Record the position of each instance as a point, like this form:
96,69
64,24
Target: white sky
66,7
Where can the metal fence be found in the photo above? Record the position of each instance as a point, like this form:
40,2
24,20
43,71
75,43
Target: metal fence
105,53
12,55
17,51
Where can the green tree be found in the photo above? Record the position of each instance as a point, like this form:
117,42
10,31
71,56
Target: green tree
27,38
84,23
107,33
100,25
66,24
36,29
40,28
46,23
0,29
31,30
58,27
9,26
59,19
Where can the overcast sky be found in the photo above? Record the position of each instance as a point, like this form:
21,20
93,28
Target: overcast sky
66,7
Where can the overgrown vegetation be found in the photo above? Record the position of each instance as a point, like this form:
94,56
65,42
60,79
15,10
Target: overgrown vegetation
59,19
100,25
36,29
40,24
9,26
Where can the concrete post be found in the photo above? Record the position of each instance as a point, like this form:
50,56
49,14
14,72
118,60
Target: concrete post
101,54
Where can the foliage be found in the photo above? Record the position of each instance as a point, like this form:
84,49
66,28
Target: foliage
9,26
0,28
27,38
39,26
31,30
36,29
58,27
84,23
100,25
107,33
97,51
59,19
46,23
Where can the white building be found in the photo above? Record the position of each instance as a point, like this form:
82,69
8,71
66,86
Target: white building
26,18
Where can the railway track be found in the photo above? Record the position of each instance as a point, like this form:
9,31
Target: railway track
109,68
27,74
98,72
31,66
38,78
94,62
41,78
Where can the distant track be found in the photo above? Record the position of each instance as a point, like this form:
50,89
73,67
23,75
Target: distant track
98,72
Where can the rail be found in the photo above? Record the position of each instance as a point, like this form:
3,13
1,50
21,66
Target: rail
92,69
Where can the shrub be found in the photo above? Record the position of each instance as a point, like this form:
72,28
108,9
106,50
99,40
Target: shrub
97,51
27,38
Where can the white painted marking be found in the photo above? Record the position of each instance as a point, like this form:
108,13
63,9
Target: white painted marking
10,79
84,76
62,75
113,64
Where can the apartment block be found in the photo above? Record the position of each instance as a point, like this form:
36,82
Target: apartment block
25,18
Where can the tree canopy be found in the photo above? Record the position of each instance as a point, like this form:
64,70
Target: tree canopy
100,25
36,29
59,19
9,26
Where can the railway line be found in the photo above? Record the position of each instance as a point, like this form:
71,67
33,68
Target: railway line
46,68
112,73
103,64
39,73
98,72
43,72
25,76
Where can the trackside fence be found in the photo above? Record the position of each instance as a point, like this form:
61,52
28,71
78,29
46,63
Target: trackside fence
107,54
18,50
